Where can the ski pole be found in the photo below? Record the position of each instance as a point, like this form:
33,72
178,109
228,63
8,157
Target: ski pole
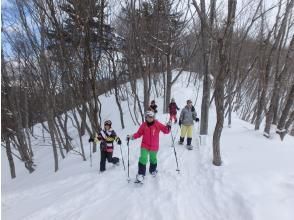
198,132
90,154
122,158
175,152
128,159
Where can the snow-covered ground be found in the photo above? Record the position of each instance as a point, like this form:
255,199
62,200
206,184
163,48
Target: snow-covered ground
256,180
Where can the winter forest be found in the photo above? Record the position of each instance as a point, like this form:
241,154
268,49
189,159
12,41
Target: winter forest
77,81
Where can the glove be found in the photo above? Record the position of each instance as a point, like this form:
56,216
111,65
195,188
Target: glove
168,125
91,139
118,141
197,119
129,137
180,123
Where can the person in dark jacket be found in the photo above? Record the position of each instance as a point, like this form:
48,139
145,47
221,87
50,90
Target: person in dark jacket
153,106
106,137
172,107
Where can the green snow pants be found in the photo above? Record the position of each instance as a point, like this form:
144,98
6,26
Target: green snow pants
144,156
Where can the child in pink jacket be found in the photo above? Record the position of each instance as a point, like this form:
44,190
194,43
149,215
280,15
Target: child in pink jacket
150,130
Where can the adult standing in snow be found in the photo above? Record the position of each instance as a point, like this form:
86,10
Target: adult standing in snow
153,106
172,107
150,130
106,137
188,115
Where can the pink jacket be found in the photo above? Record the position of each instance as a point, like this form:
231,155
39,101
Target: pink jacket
150,134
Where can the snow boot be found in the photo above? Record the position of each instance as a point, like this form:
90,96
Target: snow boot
189,146
141,169
115,161
152,169
181,141
189,141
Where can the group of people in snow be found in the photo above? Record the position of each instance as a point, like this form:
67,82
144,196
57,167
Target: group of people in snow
149,131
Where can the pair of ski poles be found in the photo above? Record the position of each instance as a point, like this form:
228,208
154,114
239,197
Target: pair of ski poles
173,146
128,140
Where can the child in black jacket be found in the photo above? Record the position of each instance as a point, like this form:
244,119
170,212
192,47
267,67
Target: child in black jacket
106,137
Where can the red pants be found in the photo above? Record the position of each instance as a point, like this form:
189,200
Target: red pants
173,116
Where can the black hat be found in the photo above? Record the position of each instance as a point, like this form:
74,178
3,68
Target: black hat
107,122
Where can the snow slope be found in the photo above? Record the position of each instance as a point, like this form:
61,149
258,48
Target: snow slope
256,180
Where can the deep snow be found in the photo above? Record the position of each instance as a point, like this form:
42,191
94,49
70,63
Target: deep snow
256,180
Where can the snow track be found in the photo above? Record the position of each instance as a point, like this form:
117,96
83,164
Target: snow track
198,190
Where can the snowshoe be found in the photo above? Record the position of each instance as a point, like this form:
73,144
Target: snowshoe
154,173
189,147
139,179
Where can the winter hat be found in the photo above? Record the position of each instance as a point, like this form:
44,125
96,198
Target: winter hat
108,122
172,100
189,101
149,114
153,102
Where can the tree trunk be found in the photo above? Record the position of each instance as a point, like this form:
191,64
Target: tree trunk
168,83
83,119
10,158
285,112
270,112
206,44
146,93
224,53
58,139
52,135
219,104
277,90
80,136
260,107
116,92
287,126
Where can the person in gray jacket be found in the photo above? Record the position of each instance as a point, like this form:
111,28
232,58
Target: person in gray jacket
188,115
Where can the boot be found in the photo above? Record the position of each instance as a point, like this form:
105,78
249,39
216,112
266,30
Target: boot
141,169
181,140
189,140
115,161
189,146
152,169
